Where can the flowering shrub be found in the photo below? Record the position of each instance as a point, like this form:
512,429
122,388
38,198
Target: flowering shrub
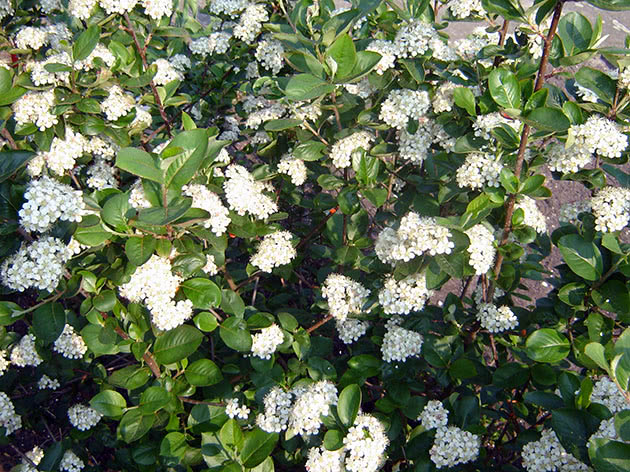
284,235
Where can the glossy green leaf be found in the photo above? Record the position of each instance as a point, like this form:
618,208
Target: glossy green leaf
140,250
109,403
547,345
307,87
12,161
86,42
48,322
341,56
349,404
465,99
140,163
177,344
134,425
257,446
235,335
203,293
203,372
582,257
547,119
504,88
598,82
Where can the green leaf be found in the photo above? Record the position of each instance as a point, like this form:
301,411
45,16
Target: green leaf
12,161
415,69
576,32
182,169
509,180
613,5
117,211
309,151
607,455
92,235
235,335
140,163
613,296
333,440
231,435
599,83
258,445
48,322
464,98
5,81
105,301
203,293
140,250
134,425
532,184
164,216
547,119
349,404
173,445
582,257
622,424
366,60
537,100
306,87
547,345
344,55
202,373
281,125
573,428
89,105
141,81
621,176
86,42
232,303
109,403
506,8
504,88
153,399
376,196
177,344
596,353
206,322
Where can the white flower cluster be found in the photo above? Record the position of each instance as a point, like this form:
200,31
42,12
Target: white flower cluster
101,175
35,456
210,202
235,410
118,6
250,23
548,455
415,236
311,403
401,297
24,353
34,107
453,446
137,197
265,343
294,168
587,95
481,248
404,105
4,362
46,382
569,212
607,393
434,415
277,405
479,170
156,9
166,72
305,111
443,99
496,319
321,460
342,150
48,201
118,103
275,250
568,159
464,8
40,76
344,296
388,52
70,462
533,216
270,54
62,155
484,124
624,78
83,417
478,294
351,329
210,268
400,343
365,444
81,9
600,135
362,88
70,344
154,283
8,418
606,430
227,7
39,265
245,195
31,37
6,9
265,110
469,47
611,208
217,42
416,38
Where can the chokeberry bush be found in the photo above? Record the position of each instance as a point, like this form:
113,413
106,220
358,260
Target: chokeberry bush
258,236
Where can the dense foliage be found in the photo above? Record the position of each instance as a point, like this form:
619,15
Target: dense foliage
229,236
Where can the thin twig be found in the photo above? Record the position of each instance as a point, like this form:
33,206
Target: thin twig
319,323
317,228
200,402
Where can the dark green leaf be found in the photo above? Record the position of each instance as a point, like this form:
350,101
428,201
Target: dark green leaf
140,163
547,119
11,161
504,88
203,293
140,250
465,99
134,425
86,42
258,445
607,455
547,345
599,83
235,335
349,404
573,428
343,55
583,257
109,403
177,344
48,322
202,373
576,32
306,87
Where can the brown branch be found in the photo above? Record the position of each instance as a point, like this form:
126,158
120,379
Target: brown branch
317,228
143,56
200,402
319,323
6,135
502,36
147,356
509,208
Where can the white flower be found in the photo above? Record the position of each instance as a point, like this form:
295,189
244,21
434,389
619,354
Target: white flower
34,107
250,22
344,295
101,175
484,124
210,202
365,444
118,6
321,460
265,343
48,201
496,319
611,208
6,9
31,37
569,212
35,455
234,410
83,417
400,343
624,78
46,382
548,455
403,105
4,362
351,329
434,415
600,135
70,462
469,47
210,268
81,9
294,168
568,159
8,418
275,250
277,404
245,195
270,54
227,7
608,394
404,296
310,404
388,52
341,152
166,72
39,265
362,88
305,111
40,76
481,248
156,9
62,155
415,236
414,39
217,43
70,344
454,446
533,216
464,8
118,103
24,353
101,52
137,197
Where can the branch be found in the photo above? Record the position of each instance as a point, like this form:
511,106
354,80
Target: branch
319,323
317,228
147,356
